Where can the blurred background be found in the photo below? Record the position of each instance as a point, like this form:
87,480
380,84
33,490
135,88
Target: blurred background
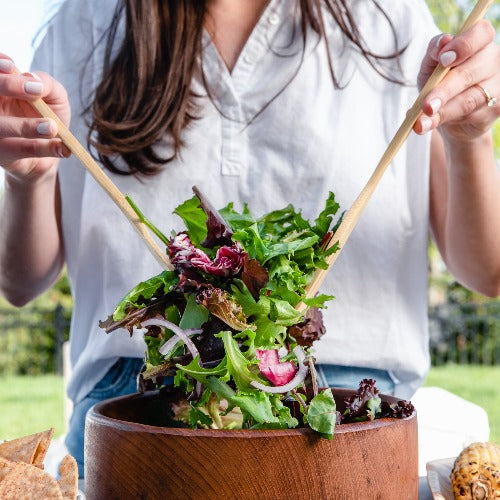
464,326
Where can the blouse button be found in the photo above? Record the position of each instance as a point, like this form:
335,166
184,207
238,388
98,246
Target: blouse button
249,59
273,19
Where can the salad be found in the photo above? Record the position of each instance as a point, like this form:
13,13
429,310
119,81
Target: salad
226,339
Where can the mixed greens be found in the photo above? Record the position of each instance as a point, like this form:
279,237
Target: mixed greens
225,337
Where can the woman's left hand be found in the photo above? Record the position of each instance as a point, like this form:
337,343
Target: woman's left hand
463,105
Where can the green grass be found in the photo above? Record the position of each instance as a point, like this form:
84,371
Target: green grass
33,404
478,384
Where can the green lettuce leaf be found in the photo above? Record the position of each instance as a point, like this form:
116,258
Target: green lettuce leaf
236,220
196,416
245,299
199,373
257,405
318,300
153,356
184,382
264,411
194,315
194,218
144,291
252,242
281,222
283,313
238,364
220,388
268,333
321,414
373,407
283,412
324,220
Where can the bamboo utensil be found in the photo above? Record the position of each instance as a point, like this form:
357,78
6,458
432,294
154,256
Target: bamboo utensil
104,181
352,216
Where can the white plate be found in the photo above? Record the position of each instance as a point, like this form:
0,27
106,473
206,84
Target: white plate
438,477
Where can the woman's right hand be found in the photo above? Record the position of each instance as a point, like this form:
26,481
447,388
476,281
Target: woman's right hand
29,148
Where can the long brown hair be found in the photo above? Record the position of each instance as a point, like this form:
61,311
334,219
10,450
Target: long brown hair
145,94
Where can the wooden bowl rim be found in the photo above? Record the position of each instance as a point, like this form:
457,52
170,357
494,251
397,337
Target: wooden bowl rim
96,416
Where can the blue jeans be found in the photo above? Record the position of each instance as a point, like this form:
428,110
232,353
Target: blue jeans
120,379
349,377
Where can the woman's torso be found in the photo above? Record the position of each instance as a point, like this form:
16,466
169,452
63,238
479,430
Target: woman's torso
276,132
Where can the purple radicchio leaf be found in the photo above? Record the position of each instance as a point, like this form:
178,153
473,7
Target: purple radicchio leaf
218,230
184,256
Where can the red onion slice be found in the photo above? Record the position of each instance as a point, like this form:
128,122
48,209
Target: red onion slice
298,379
283,351
179,332
171,342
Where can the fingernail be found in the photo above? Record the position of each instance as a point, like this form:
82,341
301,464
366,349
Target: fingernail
35,88
435,105
6,65
33,75
426,124
447,58
439,40
44,128
59,151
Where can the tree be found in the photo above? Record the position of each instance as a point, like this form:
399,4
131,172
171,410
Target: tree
450,14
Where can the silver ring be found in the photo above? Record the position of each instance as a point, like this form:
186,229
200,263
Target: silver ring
490,100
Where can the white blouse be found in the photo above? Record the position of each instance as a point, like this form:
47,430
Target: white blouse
277,132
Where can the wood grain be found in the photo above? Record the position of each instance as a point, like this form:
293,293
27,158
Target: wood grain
128,459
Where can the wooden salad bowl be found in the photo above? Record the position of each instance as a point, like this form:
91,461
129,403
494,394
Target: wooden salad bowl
127,455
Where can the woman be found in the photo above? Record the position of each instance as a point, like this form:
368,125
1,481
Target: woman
269,103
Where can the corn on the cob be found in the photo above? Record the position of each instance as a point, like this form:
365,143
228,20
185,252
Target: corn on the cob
476,473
